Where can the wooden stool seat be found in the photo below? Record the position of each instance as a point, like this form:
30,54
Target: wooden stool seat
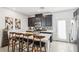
39,44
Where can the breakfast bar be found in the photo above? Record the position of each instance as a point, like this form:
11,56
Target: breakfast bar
46,38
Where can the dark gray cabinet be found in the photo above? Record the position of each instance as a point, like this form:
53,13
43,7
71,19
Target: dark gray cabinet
48,20
5,38
31,21
45,21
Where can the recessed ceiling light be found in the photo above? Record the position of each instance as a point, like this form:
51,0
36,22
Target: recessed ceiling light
42,7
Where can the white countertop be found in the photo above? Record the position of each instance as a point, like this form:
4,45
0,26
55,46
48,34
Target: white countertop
48,31
44,31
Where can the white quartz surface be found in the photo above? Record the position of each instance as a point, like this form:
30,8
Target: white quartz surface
48,31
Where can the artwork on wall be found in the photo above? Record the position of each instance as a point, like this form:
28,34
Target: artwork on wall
8,23
17,23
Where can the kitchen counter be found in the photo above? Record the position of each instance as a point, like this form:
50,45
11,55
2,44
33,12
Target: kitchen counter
48,31
46,39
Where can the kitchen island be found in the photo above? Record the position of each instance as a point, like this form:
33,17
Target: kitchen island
46,39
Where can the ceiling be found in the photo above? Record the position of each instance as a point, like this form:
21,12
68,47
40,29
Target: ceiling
35,10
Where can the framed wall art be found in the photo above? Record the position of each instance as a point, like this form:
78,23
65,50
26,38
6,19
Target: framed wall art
8,23
17,23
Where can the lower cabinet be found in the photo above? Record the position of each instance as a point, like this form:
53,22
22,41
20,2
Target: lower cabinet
5,38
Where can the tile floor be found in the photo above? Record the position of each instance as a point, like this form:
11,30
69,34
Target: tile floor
56,47
62,47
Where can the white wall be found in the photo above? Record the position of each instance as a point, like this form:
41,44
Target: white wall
9,13
66,15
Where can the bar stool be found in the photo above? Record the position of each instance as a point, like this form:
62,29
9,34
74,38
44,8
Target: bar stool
11,41
20,38
28,42
38,44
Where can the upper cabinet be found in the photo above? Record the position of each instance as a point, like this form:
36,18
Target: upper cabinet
31,21
40,20
48,20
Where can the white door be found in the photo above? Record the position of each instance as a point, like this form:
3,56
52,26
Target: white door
61,28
